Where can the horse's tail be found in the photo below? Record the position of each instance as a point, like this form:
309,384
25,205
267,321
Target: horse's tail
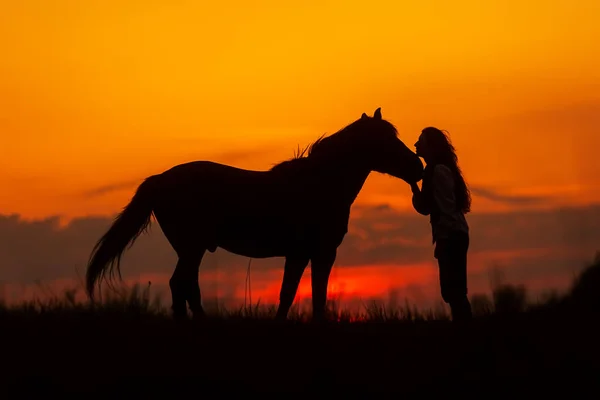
127,227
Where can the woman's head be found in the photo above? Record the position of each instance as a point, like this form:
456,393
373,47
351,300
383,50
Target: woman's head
435,146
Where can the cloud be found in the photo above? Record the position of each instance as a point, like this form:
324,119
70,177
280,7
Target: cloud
113,187
528,244
491,194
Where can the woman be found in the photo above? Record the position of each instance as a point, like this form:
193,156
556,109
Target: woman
445,197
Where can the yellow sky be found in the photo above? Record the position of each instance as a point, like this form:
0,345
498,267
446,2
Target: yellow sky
96,93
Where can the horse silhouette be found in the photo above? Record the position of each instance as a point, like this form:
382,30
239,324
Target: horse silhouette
299,209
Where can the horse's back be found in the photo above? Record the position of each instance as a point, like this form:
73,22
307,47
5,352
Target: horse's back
212,176
210,189
211,169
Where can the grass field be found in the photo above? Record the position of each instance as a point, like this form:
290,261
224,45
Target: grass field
129,346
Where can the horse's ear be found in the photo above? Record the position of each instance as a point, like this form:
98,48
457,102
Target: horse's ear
364,116
377,114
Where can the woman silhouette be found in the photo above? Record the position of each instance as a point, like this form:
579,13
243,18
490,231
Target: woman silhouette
445,197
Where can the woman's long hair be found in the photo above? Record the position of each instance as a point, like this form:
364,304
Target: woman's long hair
443,152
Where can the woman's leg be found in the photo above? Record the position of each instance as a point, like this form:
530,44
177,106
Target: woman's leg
451,254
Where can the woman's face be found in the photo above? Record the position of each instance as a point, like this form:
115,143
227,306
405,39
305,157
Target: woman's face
421,147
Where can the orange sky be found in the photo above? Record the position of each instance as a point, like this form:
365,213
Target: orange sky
96,94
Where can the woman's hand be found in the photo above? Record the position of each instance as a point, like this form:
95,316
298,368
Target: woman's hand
417,201
415,188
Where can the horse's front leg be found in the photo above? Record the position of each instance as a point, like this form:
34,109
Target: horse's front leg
292,273
320,269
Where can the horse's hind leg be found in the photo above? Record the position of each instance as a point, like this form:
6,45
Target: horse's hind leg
183,237
185,287
194,299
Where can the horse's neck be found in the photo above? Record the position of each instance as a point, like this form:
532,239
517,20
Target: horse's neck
343,182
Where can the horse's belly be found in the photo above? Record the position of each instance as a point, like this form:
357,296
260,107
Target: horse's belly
253,245
270,236
256,239
253,251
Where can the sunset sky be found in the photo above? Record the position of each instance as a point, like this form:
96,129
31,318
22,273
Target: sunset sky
94,96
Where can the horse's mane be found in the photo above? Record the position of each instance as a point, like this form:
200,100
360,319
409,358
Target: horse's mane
300,156
323,143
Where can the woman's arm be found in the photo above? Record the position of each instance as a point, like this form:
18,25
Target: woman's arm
443,189
417,200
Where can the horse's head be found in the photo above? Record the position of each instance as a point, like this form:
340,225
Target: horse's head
384,152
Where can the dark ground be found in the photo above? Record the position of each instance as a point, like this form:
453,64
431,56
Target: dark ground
552,351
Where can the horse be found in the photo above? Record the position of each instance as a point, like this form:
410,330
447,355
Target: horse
299,210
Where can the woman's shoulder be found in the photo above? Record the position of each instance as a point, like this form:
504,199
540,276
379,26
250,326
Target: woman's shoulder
442,169
443,177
